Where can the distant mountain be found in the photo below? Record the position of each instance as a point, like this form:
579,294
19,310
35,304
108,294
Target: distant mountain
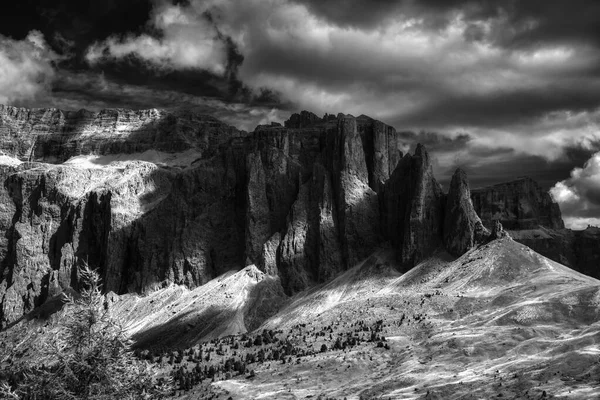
534,219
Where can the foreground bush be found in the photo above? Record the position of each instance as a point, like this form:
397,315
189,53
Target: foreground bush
87,357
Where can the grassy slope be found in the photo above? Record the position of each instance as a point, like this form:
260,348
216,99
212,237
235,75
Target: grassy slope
501,320
177,317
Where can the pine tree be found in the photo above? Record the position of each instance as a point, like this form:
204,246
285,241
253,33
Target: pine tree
89,355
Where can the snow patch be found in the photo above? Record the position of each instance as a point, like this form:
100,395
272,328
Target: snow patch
182,159
10,161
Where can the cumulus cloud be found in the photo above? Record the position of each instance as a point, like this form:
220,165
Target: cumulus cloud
579,195
186,40
26,69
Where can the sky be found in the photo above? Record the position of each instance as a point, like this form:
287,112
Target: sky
500,88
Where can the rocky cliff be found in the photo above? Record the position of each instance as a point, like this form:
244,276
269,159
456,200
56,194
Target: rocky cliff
413,208
519,204
153,198
534,219
462,227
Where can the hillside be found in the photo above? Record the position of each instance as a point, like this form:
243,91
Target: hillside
533,218
500,321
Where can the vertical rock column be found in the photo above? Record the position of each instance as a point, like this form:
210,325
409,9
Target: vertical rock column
412,208
462,227
356,203
257,215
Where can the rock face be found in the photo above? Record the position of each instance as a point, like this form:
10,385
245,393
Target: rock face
519,204
498,231
300,202
462,227
413,208
54,136
142,225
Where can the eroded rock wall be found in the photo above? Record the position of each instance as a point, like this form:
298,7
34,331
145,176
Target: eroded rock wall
462,227
413,208
519,204
54,136
303,202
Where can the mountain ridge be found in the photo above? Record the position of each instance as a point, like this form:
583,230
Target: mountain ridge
302,202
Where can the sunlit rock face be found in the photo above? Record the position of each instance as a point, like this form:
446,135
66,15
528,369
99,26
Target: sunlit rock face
54,136
322,210
143,224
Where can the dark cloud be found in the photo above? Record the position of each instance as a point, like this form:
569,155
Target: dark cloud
356,13
489,165
558,21
511,165
94,92
509,107
79,22
520,23
484,165
71,26
433,141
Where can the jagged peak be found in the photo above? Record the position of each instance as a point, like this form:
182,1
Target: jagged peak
421,151
302,119
498,231
459,173
462,226
253,272
459,178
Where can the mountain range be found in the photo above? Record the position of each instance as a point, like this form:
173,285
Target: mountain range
200,231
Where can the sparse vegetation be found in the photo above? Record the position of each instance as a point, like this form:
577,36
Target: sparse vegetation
364,347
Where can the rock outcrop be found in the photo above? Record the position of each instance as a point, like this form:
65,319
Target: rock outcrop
519,204
462,227
498,231
412,208
54,136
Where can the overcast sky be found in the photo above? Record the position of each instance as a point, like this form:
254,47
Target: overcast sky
501,88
